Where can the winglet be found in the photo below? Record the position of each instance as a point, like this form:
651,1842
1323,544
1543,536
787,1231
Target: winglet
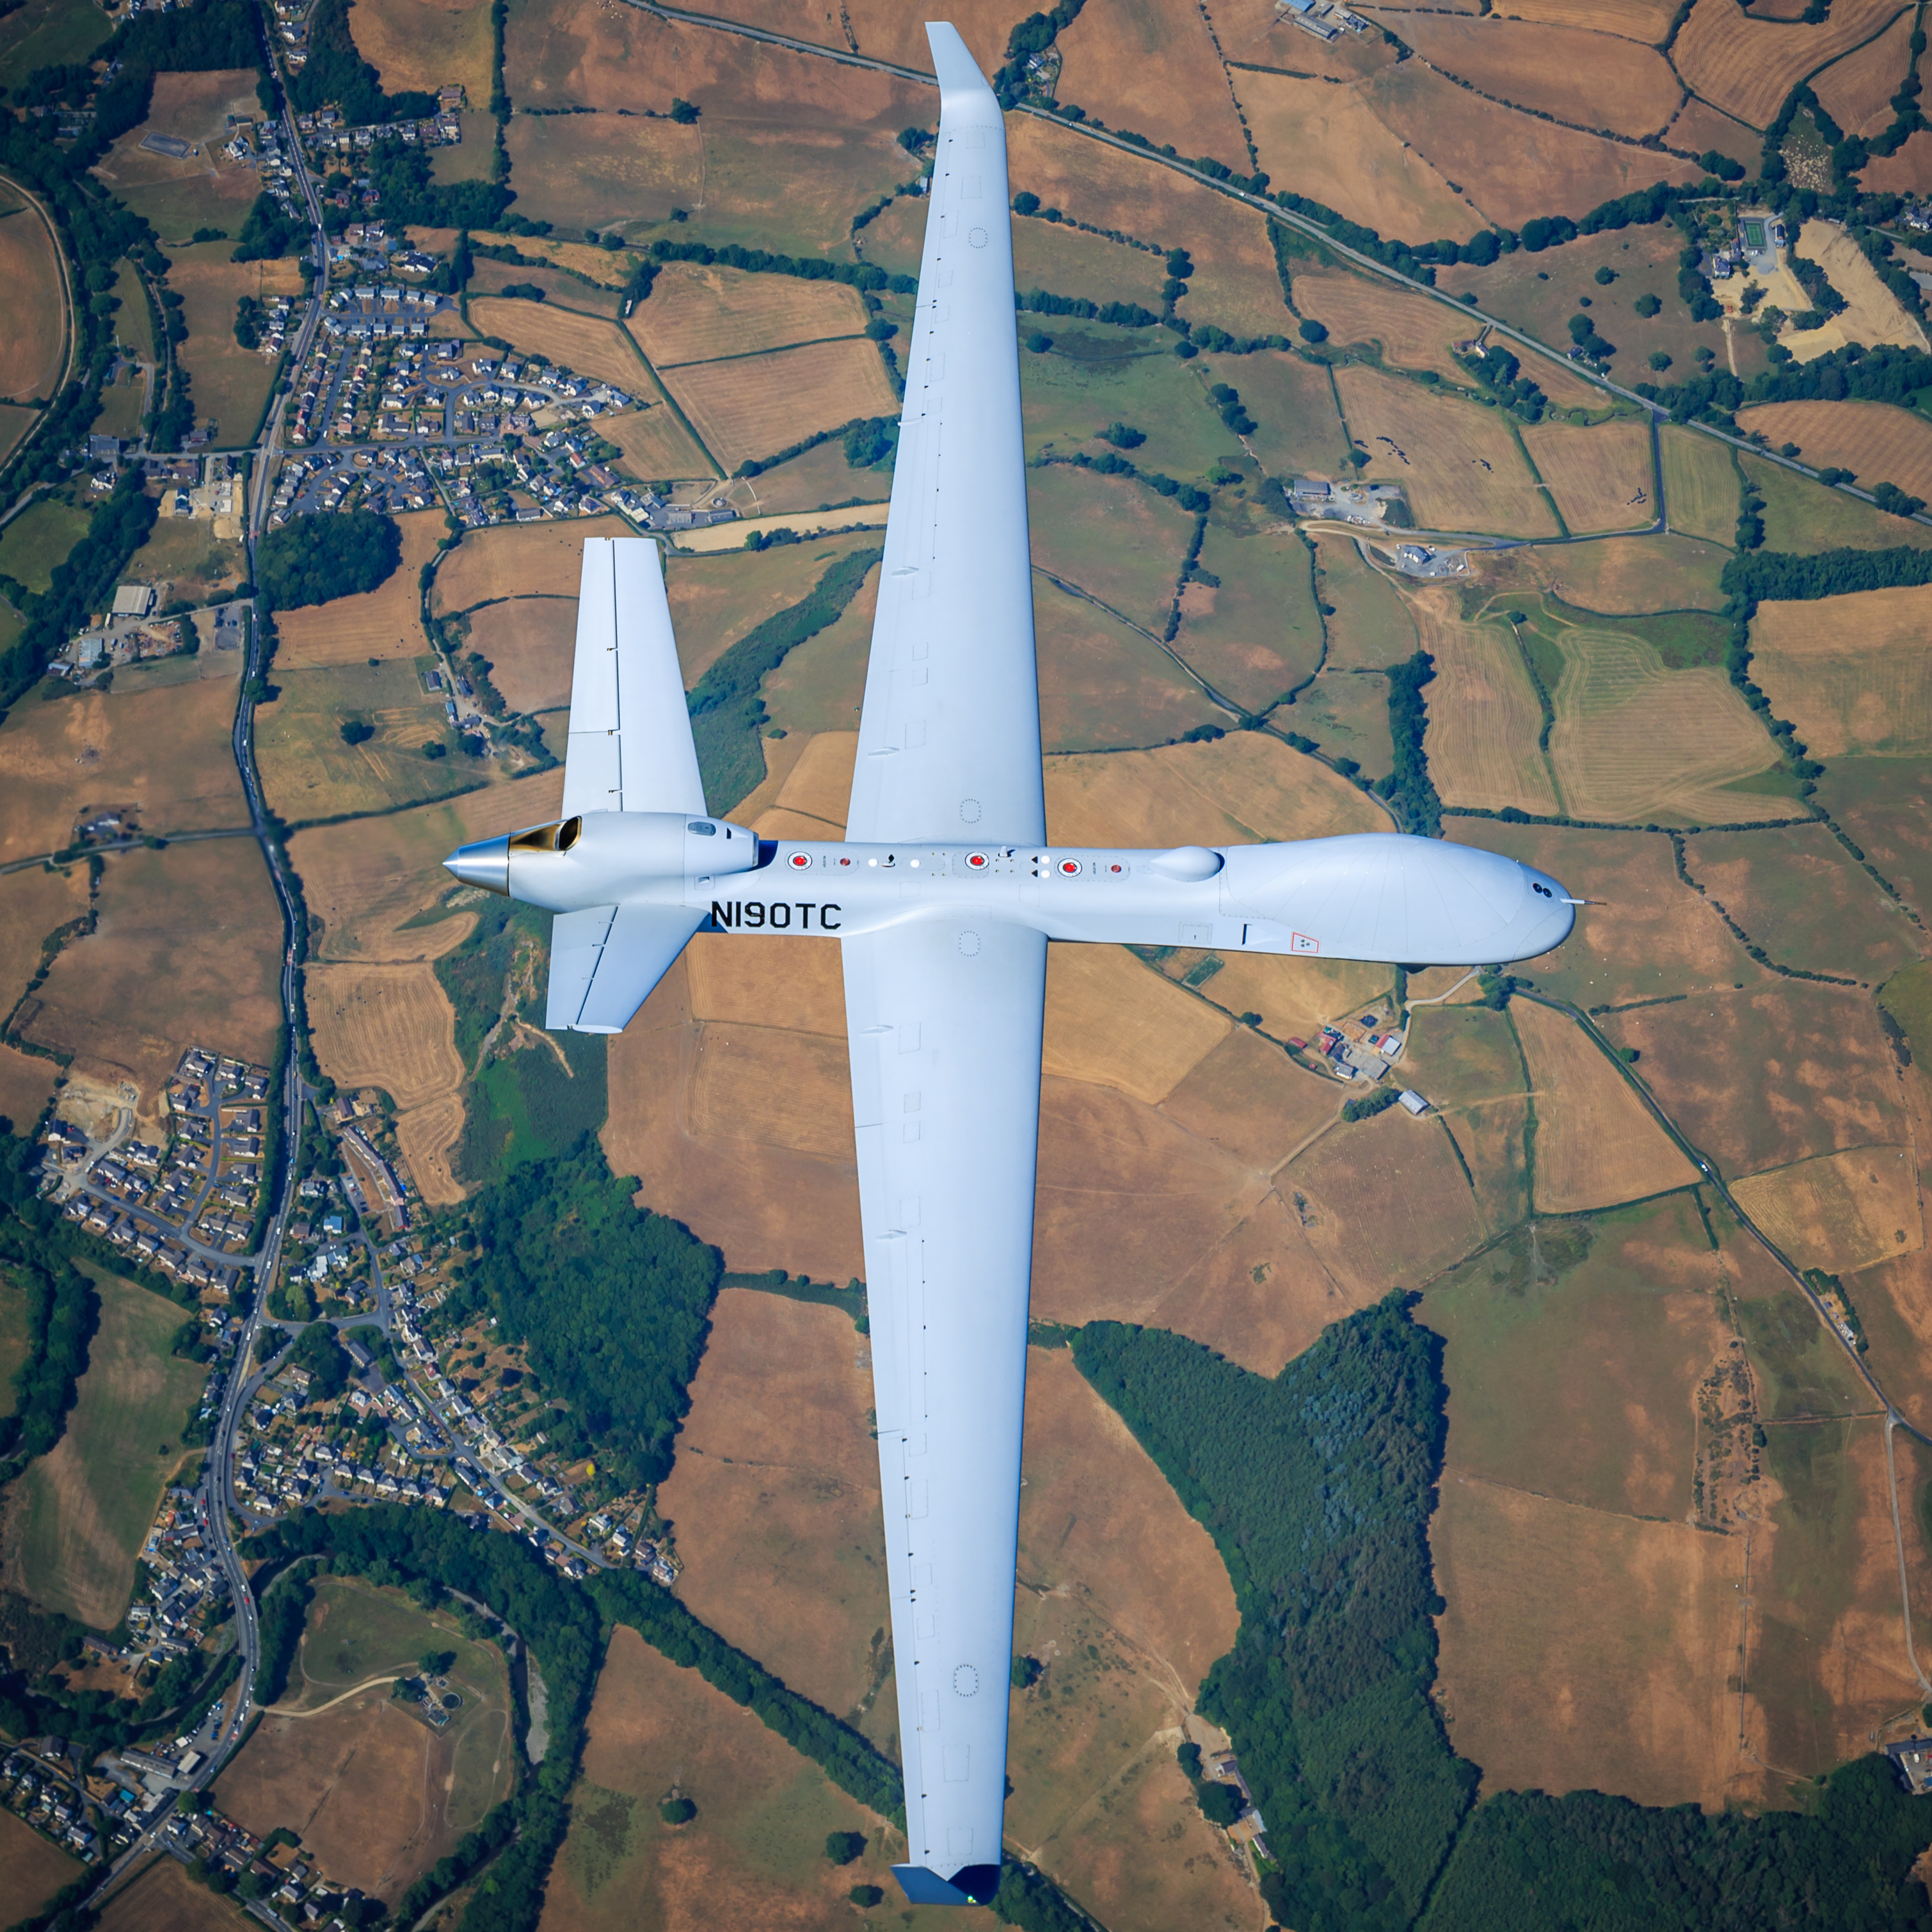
960,79
971,1885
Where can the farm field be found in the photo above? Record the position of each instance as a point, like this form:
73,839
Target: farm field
38,538
1747,67
46,32
1257,634
1292,996
1839,1212
1481,739
756,1848
1877,442
1070,395
1587,79
1619,576
35,347
658,447
1881,804
1458,465
26,1085
186,559
1701,487
529,642
188,947
33,905
1246,1096
1111,1020
821,476
15,423
757,405
1110,536
1893,1301
1768,1077
1411,331
697,314
492,278
715,600
1157,70
386,622
1804,517
587,343
1346,713
528,560
820,685
77,1518
1798,894
309,771
1103,684
1298,428
1908,171
31,1869
163,1898
1600,477
229,384
427,44
356,1630
1596,1143
1370,625
1850,672
390,1027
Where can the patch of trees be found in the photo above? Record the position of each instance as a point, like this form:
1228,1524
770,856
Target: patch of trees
400,172
282,1613
1370,1105
1778,576
1033,37
1854,374
1220,1803
1408,786
203,38
312,559
614,1304
867,275
1120,315
726,709
318,1351
1498,373
336,72
63,1311
249,317
269,233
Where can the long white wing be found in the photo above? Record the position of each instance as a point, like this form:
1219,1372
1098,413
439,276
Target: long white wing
604,962
945,1028
949,740
631,747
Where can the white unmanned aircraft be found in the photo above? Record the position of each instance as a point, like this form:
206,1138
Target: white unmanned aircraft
942,897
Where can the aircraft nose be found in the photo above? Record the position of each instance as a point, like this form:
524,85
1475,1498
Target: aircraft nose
486,864
1551,913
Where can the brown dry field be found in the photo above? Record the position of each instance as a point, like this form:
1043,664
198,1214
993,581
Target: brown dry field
1462,470
165,750
1247,787
1600,477
26,1086
1102,683
1857,90
1235,283
1747,67
586,344
526,560
32,904
696,314
363,1786
1620,576
1248,1098
427,44
1596,1144
1627,1630
764,403
1113,1020
819,782
1839,1212
1894,1305
755,1856
1256,634
1877,441
1484,717
820,476
1645,20
1411,331
1153,69
1540,169
32,1870
392,1027
1384,1204
385,622
364,879
1872,314
163,1898
1293,996
1111,537
1700,485
33,347
819,687
1339,153
1908,171
1853,673
1585,78
1761,1079
188,947
230,383
657,447
529,642
715,600
1650,937
1700,127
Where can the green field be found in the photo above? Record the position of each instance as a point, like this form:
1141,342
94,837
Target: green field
308,771
356,1631
1346,713
121,405
134,327
1633,576
1369,625
1111,537
1095,376
1297,427
1805,517
39,537
1701,487
1257,634
187,556
89,1500
48,33
1466,1054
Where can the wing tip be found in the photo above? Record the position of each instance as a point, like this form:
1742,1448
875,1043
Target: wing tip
954,67
971,1885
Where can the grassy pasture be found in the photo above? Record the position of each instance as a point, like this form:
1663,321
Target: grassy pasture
308,771
1746,68
1110,536
386,622
715,600
229,384
757,405
1069,395
1341,153
186,556
1600,476
26,1086
1158,70
1410,331
1467,1060
1346,713
32,904
48,33
1596,1143
356,1631
1804,517
588,344
820,477
1799,896
1701,489
543,559
33,351
427,44
1258,633
1571,74
1839,1212
1370,624
40,538
492,278
1457,461
1893,1302
1484,717
1877,441
1881,804
821,684
1103,685
1618,576
1762,1079
1850,672
1051,256
86,1505
1298,428
696,314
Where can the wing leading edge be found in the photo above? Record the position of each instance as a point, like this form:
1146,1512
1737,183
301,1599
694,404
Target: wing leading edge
945,1030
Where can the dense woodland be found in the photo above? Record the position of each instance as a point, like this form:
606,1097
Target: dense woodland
313,560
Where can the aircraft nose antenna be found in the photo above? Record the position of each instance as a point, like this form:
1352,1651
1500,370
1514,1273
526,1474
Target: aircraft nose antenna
486,864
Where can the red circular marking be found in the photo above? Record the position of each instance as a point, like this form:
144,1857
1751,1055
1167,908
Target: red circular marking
977,860
1069,867
801,859
1114,868
844,861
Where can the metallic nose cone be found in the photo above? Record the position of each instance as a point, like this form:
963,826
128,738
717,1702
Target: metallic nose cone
486,864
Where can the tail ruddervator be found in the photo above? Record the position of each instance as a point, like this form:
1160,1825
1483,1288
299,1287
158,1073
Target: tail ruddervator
943,897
